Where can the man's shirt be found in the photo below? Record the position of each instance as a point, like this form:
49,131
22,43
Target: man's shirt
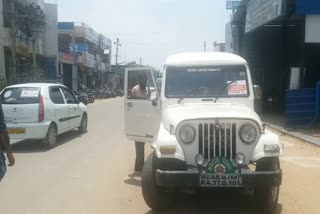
138,93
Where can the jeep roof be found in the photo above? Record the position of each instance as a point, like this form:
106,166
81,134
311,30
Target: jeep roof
204,59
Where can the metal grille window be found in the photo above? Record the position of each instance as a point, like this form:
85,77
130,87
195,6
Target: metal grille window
217,140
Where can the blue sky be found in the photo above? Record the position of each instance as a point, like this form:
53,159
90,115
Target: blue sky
151,29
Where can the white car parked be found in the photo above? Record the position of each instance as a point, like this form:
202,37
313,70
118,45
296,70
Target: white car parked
42,111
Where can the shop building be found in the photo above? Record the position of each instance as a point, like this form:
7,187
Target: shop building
85,56
28,41
280,39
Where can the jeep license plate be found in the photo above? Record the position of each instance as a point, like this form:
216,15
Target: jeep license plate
213,180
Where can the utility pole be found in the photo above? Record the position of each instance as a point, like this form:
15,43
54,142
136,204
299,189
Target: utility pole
13,42
140,60
117,49
34,53
205,46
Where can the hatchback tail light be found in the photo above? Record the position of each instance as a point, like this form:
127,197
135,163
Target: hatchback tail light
41,110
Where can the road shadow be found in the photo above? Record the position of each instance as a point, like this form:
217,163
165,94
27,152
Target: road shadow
36,146
133,179
230,202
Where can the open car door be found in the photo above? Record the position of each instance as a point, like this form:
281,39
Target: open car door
142,106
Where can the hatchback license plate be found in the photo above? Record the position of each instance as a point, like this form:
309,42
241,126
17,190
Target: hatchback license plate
213,180
17,131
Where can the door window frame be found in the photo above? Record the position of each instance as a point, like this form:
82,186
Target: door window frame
68,90
61,92
141,69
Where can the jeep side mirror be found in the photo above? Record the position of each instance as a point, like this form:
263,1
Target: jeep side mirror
257,92
153,96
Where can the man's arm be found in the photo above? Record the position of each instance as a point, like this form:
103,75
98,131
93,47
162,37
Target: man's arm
4,138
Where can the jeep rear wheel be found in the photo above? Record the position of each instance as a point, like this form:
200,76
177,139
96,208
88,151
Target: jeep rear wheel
267,197
154,197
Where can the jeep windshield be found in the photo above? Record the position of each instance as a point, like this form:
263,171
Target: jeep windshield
206,82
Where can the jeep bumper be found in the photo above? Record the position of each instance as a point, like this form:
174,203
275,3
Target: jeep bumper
191,178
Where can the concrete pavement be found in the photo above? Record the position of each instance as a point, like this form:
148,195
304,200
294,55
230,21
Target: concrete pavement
93,173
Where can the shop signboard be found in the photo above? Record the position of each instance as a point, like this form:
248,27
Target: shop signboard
79,48
89,60
260,12
312,29
98,59
66,26
105,43
308,7
80,59
66,58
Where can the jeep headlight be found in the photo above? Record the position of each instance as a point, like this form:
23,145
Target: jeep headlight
248,133
187,134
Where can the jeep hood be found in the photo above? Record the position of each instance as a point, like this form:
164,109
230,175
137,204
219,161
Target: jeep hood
173,115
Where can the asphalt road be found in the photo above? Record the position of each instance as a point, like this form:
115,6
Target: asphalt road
93,174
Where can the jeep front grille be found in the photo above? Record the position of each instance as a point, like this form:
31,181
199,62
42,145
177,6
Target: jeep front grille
217,140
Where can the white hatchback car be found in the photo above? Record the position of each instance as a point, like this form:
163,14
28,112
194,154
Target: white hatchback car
42,111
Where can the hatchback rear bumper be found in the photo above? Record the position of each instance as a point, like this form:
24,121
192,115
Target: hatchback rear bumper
32,130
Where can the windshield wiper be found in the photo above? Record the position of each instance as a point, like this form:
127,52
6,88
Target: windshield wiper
190,91
222,90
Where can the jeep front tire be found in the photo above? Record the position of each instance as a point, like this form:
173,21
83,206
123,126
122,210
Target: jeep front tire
267,197
154,197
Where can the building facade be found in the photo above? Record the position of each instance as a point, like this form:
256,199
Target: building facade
28,41
281,41
85,56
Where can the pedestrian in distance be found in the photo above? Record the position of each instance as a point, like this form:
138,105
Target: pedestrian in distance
4,144
140,92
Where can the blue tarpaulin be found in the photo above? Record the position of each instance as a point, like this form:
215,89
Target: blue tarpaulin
308,7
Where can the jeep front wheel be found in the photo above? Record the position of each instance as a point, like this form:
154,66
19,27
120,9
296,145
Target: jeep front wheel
154,197
267,197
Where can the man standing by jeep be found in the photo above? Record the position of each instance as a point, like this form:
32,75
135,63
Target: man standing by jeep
139,92
4,143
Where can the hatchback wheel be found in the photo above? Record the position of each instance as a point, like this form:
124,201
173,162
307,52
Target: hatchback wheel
51,138
83,128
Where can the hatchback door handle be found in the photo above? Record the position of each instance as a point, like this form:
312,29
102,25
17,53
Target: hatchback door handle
56,108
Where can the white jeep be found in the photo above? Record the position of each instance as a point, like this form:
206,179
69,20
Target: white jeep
203,129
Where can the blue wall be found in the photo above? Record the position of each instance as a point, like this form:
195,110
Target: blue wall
50,69
308,7
68,26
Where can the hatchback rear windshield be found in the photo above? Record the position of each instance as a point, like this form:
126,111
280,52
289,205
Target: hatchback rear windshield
23,95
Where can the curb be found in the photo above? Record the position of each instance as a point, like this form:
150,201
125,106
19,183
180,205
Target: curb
295,135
